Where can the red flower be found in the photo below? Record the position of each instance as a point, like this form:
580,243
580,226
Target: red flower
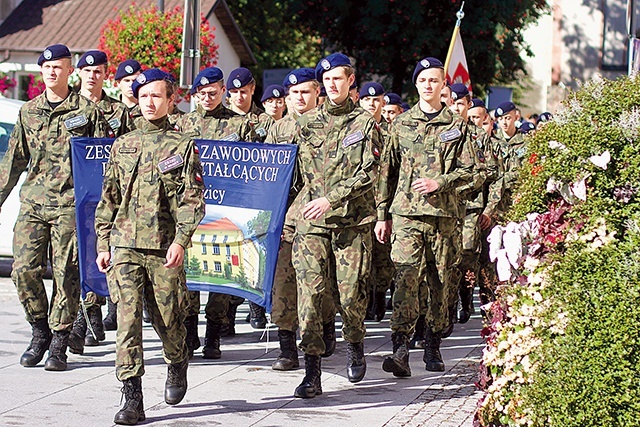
533,158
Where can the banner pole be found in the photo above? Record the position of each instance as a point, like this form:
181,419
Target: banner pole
456,30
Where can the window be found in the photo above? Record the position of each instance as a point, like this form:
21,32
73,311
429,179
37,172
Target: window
614,36
216,249
202,237
225,239
217,266
228,250
205,266
204,249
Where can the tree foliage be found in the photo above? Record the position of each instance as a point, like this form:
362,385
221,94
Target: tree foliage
387,38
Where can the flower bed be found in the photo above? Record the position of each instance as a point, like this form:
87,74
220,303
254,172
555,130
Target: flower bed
563,342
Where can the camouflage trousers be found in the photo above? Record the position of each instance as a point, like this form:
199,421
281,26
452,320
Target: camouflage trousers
382,267
217,307
469,266
488,276
138,274
350,249
284,293
40,233
423,245
91,299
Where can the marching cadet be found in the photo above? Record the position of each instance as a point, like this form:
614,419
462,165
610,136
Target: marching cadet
353,92
273,101
372,99
427,159
339,148
152,202
303,92
241,87
93,72
513,149
445,95
41,145
392,107
126,73
211,120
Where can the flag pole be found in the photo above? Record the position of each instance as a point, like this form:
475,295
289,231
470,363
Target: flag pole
456,30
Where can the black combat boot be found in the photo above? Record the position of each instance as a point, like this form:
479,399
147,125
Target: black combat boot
432,357
192,339
40,341
95,334
356,363
57,360
146,317
329,337
77,335
258,318
398,363
211,349
110,321
310,385
288,359
133,410
176,386
417,340
466,302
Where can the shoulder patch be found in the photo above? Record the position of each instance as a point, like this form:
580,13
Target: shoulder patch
76,122
171,163
480,155
115,123
233,137
450,135
520,152
352,138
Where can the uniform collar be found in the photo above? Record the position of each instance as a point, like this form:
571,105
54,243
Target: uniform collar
445,116
71,102
154,125
339,110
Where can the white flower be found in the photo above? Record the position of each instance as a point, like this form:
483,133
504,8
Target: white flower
601,160
555,145
553,185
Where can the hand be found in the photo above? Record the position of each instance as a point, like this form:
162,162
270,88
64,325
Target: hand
382,231
425,186
485,222
103,261
316,208
175,256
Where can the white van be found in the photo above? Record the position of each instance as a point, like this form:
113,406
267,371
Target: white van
9,109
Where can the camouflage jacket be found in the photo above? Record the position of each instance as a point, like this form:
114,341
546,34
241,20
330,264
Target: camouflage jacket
510,153
221,123
41,140
135,114
117,115
260,122
338,157
152,194
486,170
440,149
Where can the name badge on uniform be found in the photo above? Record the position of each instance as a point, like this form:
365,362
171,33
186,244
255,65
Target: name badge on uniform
233,137
171,163
450,135
352,139
315,125
115,124
411,123
76,122
128,150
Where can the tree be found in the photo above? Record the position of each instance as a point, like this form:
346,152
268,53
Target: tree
194,266
387,38
259,225
153,39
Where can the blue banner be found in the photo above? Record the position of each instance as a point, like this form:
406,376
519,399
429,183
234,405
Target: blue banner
235,248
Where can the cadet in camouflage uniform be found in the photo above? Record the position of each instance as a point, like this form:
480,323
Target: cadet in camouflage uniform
427,160
40,144
273,101
339,148
126,73
392,107
241,86
372,99
303,92
152,202
93,71
211,120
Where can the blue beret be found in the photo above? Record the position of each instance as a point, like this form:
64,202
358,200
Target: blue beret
127,68
91,58
298,76
504,108
477,102
206,77
425,64
526,127
332,61
459,90
406,106
371,89
148,76
393,99
323,91
240,77
53,52
545,117
272,91
354,85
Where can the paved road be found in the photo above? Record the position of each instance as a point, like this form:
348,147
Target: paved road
240,389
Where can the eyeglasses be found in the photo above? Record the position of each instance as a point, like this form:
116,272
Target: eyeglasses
210,95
